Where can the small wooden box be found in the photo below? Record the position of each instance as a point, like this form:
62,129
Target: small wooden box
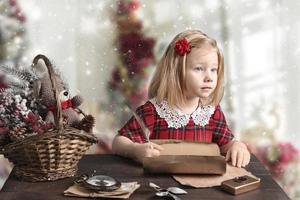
240,185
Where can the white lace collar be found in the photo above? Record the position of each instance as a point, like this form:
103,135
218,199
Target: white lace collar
177,119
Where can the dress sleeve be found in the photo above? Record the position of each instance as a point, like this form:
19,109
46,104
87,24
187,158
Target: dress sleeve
221,133
132,129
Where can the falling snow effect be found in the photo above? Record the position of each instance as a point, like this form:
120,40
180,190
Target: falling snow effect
260,50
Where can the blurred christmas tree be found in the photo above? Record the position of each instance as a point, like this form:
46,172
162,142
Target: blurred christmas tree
128,83
12,43
12,32
280,157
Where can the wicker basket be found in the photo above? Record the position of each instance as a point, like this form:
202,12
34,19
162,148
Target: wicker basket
52,155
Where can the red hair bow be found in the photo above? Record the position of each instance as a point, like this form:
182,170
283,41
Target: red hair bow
182,47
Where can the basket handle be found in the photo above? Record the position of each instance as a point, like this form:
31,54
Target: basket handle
58,120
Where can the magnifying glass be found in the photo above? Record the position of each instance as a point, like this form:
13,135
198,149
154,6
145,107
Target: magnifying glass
98,182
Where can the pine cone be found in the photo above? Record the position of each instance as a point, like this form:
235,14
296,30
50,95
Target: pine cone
17,133
87,123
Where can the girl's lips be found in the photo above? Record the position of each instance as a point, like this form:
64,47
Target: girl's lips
205,88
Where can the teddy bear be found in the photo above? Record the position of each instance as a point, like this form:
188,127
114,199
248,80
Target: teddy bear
44,93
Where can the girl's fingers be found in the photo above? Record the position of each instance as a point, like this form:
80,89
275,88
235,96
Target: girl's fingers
249,158
154,153
233,157
246,159
240,157
227,158
157,146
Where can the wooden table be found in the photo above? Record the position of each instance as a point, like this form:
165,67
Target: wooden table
127,170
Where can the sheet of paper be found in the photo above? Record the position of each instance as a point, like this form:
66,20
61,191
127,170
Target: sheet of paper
123,192
202,181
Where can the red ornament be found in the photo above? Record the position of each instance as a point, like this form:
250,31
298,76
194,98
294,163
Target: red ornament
12,2
133,5
126,7
182,47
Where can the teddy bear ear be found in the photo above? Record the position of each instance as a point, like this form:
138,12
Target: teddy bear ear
37,89
40,69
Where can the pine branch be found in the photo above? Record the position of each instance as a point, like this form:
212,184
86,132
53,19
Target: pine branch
22,74
18,79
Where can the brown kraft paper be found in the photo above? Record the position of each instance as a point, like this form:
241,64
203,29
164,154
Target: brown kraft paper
182,157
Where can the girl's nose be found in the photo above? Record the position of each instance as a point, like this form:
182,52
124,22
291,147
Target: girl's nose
208,77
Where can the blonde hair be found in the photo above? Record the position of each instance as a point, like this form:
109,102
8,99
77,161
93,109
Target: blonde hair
168,82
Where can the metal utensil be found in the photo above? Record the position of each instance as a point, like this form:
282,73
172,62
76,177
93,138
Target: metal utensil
171,191
167,194
176,190
162,193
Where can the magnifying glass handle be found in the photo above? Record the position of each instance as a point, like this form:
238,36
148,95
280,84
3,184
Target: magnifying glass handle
81,178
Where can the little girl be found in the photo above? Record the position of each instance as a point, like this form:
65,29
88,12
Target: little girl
184,93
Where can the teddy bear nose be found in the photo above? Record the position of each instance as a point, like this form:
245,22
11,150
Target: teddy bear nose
66,93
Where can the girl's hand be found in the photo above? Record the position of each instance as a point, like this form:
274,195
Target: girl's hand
146,150
238,154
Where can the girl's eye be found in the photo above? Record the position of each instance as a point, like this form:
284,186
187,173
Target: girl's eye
199,68
214,69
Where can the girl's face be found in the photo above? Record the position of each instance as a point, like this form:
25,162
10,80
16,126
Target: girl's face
201,73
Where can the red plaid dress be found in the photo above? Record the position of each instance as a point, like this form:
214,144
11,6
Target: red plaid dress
157,118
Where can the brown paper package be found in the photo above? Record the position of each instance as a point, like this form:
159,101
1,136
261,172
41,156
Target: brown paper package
183,157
